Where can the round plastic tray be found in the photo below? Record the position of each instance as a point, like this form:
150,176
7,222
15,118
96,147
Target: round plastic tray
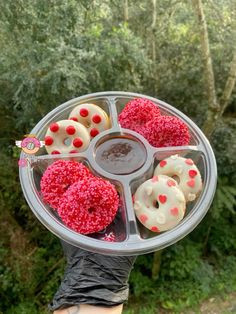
126,169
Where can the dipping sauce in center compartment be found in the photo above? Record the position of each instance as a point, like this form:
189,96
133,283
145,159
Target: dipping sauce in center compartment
121,155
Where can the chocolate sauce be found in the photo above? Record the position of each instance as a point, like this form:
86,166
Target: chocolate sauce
120,155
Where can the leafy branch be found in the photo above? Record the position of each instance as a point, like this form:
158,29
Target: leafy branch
216,107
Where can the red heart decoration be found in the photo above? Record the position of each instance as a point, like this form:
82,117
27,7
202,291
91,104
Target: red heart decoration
191,183
171,183
189,162
174,211
143,218
155,229
155,179
192,173
162,198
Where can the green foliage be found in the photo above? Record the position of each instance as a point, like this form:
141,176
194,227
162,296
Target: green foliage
25,308
62,60
142,310
222,234
225,149
225,198
181,261
186,278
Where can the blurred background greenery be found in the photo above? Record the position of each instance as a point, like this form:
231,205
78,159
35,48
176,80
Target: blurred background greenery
55,50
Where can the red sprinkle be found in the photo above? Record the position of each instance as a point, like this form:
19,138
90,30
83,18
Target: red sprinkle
192,173
109,237
171,183
189,162
166,131
84,112
77,142
191,183
48,140
54,152
174,211
143,218
74,119
162,198
94,132
96,118
54,127
70,130
163,163
155,229
155,179
133,198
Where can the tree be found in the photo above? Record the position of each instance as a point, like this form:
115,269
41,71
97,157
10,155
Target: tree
216,107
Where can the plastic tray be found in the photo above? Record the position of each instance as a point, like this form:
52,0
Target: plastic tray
131,237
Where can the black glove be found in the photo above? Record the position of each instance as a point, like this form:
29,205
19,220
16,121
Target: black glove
92,278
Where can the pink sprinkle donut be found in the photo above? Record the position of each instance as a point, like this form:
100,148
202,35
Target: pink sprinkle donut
137,113
164,131
58,177
89,205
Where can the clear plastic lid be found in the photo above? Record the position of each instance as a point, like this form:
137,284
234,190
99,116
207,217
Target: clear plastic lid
127,171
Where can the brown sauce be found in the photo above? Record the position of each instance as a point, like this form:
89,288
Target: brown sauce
121,155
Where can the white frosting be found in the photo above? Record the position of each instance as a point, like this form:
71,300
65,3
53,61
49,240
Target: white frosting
171,203
87,121
63,142
189,182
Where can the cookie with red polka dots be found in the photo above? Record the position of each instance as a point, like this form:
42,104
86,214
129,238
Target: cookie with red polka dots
185,172
92,117
66,136
159,204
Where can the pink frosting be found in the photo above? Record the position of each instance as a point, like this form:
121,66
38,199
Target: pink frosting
58,177
28,140
137,113
89,205
164,131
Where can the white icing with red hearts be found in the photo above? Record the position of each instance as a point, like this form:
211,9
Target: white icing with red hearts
189,177
92,117
171,203
66,136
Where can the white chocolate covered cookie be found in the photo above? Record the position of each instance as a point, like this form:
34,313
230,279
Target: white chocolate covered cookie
186,172
92,117
159,204
66,136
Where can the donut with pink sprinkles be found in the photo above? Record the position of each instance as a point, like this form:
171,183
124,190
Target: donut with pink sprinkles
137,113
166,131
58,177
89,205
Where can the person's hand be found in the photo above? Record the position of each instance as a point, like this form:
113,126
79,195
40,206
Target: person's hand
92,278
